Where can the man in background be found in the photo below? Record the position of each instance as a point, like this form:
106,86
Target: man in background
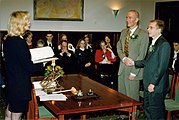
174,59
49,42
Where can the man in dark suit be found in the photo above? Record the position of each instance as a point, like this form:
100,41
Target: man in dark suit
49,42
174,59
155,76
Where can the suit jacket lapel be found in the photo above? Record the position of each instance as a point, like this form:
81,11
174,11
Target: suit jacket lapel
159,41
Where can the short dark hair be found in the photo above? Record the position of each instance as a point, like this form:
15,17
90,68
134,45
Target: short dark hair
176,40
49,32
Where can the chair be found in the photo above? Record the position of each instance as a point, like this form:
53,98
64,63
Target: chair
172,85
172,105
105,74
36,112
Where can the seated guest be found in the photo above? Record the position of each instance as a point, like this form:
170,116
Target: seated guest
174,59
50,42
84,59
70,46
104,55
66,58
40,43
107,40
89,46
28,37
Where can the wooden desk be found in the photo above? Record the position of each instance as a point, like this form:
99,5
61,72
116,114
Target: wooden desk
109,98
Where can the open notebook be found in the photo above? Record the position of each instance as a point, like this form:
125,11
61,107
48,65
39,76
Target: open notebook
43,54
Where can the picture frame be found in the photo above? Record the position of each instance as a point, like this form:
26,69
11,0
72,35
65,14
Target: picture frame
65,10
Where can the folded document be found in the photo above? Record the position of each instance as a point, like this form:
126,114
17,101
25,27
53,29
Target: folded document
43,54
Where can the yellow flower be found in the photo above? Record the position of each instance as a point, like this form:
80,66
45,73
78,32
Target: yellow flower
56,70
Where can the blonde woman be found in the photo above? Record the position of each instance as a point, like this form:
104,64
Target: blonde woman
18,66
84,59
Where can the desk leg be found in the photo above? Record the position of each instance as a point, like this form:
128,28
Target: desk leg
83,117
61,117
134,112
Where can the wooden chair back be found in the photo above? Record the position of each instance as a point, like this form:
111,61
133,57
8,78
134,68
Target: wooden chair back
173,87
177,89
174,101
33,111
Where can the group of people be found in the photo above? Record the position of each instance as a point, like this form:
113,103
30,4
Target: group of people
81,58
147,60
140,59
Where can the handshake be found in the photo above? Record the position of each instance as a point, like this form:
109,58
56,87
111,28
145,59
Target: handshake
128,61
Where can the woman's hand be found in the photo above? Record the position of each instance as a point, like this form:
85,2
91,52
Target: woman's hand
88,64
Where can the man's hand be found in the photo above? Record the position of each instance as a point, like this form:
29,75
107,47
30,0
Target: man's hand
131,77
128,61
151,88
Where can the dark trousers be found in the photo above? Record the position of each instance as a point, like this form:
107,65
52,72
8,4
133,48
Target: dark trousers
154,106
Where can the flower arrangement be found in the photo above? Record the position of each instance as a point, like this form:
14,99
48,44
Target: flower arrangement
55,69
134,36
52,73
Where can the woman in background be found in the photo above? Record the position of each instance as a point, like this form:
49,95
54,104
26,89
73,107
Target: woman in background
66,58
104,55
18,66
70,46
108,40
84,59
28,37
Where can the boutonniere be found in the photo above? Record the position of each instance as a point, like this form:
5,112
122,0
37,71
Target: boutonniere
151,48
134,36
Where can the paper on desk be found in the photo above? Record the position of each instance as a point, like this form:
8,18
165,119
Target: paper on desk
37,85
56,97
40,92
43,54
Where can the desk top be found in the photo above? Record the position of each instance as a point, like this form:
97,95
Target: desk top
109,98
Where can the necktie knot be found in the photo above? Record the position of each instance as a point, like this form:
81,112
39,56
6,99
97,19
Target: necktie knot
50,44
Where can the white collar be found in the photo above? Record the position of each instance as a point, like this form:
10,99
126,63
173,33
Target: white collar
175,52
21,37
49,42
82,49
133,30
154,40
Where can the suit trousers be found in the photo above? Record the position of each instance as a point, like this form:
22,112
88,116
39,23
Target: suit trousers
154,106
128,87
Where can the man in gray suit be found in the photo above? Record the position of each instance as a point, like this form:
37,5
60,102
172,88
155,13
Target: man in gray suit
133,44
155,76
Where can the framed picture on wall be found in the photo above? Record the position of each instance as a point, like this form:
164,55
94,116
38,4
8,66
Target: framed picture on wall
69,10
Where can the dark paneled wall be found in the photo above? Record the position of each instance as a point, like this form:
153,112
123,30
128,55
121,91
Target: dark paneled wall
74,36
